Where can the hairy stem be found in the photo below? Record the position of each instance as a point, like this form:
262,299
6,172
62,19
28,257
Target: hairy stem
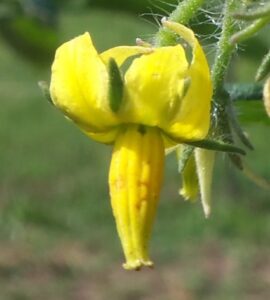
224,50
222,115
183,13
250,30
264,68
253,14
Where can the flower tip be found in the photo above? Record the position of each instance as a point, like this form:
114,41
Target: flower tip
207,211
137,265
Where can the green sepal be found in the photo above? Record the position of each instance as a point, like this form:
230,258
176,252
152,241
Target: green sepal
237,161
209,144
43,85
116,86
264,68
217,146
183,153
237,128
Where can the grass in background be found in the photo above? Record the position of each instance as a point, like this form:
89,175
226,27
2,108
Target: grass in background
58,239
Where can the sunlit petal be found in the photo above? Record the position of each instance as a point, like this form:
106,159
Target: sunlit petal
154,84
79,85
121,53
192,120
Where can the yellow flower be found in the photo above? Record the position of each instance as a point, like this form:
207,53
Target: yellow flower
161,96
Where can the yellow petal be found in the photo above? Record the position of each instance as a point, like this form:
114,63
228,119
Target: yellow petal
153,85
135,179
107,137
121,53
79,85
193,118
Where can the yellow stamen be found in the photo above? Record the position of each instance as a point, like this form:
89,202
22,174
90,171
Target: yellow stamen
135,179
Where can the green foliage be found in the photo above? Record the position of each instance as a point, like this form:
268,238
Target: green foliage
29,27
137,6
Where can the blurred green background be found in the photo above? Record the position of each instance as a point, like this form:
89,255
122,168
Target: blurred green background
57,234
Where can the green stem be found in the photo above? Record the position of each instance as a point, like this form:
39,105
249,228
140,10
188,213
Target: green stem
250,30
220,120
253,14
224,50
264,68
183,13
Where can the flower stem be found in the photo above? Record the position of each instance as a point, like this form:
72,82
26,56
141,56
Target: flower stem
264,68
250,30
183,13
224,50
253,14
223,109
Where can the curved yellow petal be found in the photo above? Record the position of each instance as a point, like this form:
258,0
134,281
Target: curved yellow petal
135,179
193,118
79,85
154,83
107,137
121,53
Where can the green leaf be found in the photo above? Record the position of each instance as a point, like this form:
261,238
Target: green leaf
217,146
183,153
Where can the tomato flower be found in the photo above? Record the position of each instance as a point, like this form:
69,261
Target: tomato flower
161,96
